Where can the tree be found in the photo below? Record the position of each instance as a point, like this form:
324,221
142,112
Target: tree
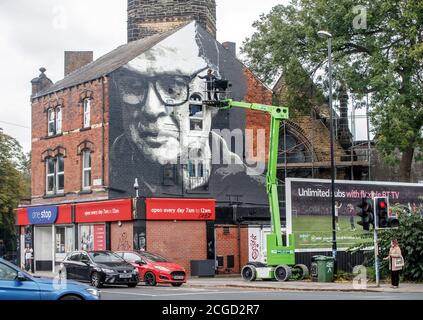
14,183
377,50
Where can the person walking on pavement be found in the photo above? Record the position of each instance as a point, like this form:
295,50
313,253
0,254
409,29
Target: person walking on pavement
396,263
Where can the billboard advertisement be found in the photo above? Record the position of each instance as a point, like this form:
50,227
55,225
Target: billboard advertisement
310,216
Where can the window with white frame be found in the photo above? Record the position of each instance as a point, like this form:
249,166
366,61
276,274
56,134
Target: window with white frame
55,175
51,122
60,174
87,113
86,169
58,120
50,173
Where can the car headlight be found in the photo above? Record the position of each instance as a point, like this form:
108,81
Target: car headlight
93,292
162,268
108,270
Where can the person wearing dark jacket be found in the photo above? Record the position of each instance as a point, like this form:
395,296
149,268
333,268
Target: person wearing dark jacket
210,78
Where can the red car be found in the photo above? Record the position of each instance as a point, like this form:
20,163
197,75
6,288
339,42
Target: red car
154,269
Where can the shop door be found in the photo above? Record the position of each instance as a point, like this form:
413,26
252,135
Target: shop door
43,248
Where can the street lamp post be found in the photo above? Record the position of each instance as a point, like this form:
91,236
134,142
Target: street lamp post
327,35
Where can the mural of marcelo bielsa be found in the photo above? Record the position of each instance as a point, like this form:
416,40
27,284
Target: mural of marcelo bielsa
165,135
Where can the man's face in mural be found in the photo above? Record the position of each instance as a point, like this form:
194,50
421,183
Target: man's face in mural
155,96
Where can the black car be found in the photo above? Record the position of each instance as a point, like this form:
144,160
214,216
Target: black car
99,268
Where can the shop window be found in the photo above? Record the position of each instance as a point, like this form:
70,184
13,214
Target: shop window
64,242
87,113
86,169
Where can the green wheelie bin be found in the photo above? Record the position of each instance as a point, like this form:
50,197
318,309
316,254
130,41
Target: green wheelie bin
322,269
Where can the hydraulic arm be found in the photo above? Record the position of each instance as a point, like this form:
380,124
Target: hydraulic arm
277,114
280,259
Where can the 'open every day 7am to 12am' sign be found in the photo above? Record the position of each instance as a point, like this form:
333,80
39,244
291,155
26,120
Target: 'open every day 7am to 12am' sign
181,209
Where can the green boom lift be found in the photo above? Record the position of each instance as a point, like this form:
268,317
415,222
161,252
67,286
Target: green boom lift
280,264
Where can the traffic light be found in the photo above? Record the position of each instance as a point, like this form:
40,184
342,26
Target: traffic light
366,214
384,218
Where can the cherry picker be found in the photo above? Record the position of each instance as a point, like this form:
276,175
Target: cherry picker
280,264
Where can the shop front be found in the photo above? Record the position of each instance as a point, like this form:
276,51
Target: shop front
98,220
49,233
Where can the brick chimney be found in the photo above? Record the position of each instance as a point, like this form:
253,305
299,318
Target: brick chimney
75,60
230,46
40,83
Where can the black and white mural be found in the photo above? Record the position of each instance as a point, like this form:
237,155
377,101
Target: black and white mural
162,135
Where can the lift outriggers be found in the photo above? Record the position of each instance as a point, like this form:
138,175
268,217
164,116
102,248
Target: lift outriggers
280,264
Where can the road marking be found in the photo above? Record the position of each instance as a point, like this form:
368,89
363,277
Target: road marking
178,294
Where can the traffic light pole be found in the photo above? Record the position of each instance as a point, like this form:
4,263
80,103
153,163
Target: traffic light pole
376,246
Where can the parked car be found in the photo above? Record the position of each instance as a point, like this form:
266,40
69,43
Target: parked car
99,268
11,257
16,284
154,269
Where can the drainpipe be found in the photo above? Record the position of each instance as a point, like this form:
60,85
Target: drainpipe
102,132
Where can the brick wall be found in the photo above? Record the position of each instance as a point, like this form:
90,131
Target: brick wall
72,136
232,241
146,17
257,92
180,241
122,237
77,59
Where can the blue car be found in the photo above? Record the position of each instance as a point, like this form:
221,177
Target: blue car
16,284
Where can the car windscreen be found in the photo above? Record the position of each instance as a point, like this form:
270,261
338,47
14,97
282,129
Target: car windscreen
151,257
102,257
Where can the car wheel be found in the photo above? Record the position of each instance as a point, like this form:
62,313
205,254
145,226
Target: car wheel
95,280
177,284
71,297
150,279
132,285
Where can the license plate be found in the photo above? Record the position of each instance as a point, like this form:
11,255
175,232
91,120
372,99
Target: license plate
125,276
178,277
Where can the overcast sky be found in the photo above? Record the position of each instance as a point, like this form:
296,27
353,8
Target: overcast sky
35,34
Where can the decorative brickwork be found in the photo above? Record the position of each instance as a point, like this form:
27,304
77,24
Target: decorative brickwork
149,17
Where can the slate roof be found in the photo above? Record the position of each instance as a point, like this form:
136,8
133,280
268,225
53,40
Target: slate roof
109,62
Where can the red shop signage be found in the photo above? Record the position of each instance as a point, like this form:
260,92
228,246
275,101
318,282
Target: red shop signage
99,237
115,210
64,215
181,209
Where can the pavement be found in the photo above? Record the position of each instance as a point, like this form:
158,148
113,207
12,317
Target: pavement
235,281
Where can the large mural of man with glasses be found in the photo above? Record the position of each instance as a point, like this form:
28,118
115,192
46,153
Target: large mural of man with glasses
163,135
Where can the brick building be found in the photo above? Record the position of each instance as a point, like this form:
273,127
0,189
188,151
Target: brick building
135,117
